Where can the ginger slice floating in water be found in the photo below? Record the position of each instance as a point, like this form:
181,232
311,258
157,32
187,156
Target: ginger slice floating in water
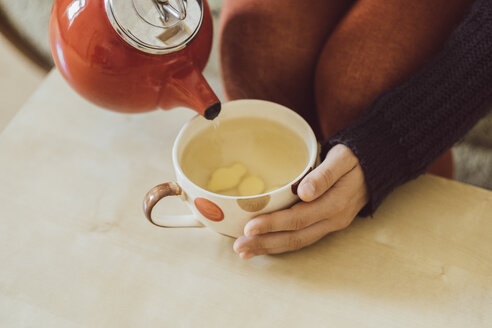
225,178
251,185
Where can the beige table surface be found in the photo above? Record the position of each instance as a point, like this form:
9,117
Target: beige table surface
76,251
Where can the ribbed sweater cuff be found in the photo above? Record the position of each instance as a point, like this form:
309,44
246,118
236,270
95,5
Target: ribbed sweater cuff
384,162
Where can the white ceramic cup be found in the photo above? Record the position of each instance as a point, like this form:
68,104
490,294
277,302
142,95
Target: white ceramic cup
229,214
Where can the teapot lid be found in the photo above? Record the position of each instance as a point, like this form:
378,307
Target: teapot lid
156,26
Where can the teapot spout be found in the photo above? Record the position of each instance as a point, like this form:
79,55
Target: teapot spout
213,111
188,87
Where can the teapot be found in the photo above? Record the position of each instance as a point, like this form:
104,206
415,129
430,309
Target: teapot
135,56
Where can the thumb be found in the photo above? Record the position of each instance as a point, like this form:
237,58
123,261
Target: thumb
338,162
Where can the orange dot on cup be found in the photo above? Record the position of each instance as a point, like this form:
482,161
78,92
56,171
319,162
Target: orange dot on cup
209,209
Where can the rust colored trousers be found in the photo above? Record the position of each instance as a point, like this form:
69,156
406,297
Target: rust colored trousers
329,59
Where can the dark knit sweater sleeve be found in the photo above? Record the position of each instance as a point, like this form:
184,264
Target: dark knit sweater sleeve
407,128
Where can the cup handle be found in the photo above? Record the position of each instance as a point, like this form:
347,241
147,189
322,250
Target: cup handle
170,221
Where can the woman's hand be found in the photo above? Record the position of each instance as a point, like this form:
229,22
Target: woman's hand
331,195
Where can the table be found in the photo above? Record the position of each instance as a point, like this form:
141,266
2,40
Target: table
76,251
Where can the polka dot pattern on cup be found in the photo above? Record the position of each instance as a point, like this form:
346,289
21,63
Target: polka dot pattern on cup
209,209
254,204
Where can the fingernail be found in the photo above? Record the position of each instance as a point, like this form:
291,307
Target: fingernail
252,232
246,255
240,249
237,247
307,188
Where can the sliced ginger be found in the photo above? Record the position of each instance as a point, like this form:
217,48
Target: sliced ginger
225,178
251,185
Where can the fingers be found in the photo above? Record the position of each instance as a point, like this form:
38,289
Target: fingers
337,163
305,223
297,217
281,242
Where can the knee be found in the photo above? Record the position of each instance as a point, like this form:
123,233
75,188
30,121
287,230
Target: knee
344,87
243,48
266,52
237,24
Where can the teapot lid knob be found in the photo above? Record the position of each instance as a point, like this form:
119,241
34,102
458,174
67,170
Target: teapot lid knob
166,9
156,26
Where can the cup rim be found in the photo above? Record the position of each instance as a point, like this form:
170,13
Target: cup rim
309,166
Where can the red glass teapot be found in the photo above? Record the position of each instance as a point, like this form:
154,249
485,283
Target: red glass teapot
135,56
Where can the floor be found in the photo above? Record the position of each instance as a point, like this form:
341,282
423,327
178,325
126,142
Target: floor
19,77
